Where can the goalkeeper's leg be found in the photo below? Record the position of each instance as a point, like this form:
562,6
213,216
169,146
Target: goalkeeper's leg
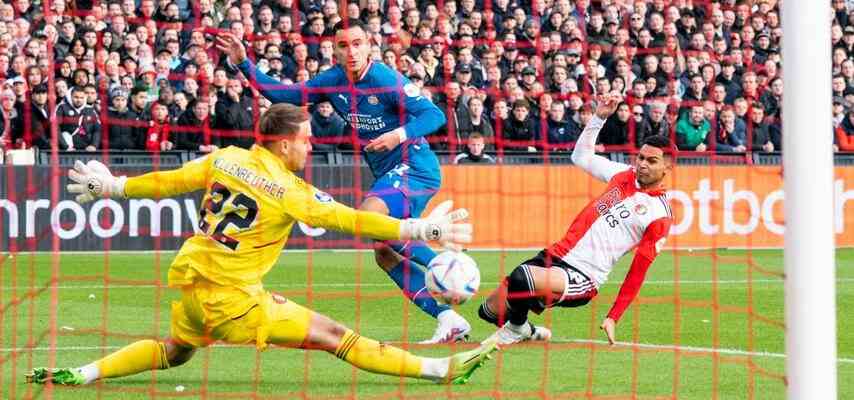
140,356
307,329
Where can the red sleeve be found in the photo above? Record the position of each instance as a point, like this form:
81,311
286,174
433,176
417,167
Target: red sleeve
845,142
645,254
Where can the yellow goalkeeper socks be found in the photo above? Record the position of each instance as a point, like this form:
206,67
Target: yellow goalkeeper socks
136,357
370,355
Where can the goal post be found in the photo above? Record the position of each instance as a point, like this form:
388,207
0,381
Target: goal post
810,295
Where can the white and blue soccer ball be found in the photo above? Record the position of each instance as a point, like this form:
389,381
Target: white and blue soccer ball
452,277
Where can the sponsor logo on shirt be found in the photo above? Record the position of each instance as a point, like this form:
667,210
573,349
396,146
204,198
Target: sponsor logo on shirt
366,122
608,200
323,197
611,215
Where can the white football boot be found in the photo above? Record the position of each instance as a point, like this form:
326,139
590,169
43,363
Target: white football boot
452,328
512,334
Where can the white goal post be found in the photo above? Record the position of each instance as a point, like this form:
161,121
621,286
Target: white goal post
808,184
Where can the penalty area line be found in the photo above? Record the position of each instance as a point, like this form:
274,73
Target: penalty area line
690,349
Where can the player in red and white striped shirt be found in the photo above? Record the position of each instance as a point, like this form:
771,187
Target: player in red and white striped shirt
632,213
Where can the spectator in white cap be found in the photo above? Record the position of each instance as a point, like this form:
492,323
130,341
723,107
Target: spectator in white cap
147,78
18,86
653,124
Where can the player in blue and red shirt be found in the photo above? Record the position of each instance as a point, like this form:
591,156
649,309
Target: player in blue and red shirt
391,118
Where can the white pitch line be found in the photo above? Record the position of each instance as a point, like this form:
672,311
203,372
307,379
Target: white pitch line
368,284
668,347
691,349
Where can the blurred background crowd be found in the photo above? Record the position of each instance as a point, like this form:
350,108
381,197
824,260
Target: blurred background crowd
510,75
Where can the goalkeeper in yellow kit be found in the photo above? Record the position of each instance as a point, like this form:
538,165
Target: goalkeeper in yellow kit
251,202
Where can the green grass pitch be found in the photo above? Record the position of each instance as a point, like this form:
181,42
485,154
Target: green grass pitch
692,303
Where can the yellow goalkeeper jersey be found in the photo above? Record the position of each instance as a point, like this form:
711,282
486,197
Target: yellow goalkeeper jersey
250,205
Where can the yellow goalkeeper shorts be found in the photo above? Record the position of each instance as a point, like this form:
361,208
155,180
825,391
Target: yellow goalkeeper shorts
209,313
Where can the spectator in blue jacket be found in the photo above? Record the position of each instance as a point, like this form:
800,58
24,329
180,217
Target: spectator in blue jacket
328,129
729,137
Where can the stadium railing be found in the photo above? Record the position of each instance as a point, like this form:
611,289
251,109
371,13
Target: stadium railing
117,157
843,159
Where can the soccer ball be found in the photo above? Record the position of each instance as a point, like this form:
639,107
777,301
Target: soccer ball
452,277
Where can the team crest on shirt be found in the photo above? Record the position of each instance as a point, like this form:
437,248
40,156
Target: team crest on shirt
373,100
640,209
411,90
323,197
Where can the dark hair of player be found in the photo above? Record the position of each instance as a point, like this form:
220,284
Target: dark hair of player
281,120
662,142
350,23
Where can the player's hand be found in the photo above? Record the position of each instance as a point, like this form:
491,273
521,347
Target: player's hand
442,225
608,103
227,43
608,325
387,141
94,180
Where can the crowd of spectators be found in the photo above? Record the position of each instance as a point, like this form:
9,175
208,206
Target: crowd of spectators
517,75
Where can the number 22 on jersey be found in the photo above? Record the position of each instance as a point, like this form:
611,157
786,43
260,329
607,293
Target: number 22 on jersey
223,208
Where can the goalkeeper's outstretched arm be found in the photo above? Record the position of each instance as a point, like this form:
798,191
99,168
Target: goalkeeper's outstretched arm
584,156
190,177
318,209
94,180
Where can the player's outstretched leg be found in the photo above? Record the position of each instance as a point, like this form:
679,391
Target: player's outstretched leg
310,330
410,277
415,251
527,287
137,357
396,258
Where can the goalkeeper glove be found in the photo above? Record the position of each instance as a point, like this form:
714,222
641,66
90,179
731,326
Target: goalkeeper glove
442,225
94,180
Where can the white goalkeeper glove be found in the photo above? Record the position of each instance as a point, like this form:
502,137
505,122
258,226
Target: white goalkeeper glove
442,225
93,180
